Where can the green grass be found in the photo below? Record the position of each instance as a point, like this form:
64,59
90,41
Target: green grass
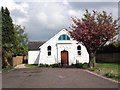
109,70
31,65
42,65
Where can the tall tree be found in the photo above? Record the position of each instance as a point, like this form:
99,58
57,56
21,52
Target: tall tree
14,39
93,31
8,36
22,40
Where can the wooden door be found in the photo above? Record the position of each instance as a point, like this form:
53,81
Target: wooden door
64,57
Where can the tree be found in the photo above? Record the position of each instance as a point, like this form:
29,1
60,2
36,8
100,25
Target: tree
93,31
8,37
22,40
14,39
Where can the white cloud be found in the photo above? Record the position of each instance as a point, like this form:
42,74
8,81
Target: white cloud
75,13
20,21
65,2
22,7
49,15
11,5
68,0
41,19
8,3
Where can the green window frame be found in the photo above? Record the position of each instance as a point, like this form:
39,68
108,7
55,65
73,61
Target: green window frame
64,37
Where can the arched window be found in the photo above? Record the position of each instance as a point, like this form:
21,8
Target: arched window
79,50
64,37
49,50
78,47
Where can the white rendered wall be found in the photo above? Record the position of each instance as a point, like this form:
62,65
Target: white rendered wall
44,58
60,45
33,57
84,57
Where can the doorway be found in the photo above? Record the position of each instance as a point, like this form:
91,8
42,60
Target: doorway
64,57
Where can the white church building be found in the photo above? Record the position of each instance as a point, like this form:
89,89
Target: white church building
61,48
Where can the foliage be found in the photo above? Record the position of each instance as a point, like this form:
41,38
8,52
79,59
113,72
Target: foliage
113,47
109,70
55,65
14,40
8,36
93,31
43,65
111,75
22,40
80,65
7,69
31,65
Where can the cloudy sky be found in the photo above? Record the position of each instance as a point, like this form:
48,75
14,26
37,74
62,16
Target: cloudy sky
43,19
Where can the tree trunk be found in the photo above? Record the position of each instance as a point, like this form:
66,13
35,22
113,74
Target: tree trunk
92,61
5,62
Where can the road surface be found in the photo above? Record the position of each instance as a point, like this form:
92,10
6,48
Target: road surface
54,78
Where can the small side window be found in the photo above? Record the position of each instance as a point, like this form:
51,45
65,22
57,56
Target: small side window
49,53
49,50
79,50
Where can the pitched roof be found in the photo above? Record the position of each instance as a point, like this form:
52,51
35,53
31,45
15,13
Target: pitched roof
34,45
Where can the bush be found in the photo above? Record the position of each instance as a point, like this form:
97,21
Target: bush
80,65
44,65
55,65
31,65
85,65
111,75
52,65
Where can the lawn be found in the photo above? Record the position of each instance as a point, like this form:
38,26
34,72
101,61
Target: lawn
109,70
31,65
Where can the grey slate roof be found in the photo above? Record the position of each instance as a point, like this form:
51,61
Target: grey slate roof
34,45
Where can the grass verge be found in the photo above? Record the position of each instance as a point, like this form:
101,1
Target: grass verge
42,65
109,70
31,65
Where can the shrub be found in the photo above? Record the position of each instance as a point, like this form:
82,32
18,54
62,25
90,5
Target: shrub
44,65
55,65
85,65
111,75
79,65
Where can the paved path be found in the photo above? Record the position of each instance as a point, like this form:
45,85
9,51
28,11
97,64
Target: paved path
20,66
54,78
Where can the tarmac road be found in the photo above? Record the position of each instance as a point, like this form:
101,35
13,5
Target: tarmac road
54,78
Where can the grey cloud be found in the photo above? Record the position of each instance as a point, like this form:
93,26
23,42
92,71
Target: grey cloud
92,5
42,32
17,14
37,31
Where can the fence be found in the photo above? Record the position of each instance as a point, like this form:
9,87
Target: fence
108,57
17,60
